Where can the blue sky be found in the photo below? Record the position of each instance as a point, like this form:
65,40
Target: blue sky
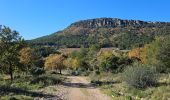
35,18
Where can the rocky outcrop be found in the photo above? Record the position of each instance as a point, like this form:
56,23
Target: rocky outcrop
106,32
112,23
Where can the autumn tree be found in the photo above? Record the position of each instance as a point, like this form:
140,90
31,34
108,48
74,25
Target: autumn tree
137,54
27,58
67,63
102,55
75,63
10,44
71,63
54,62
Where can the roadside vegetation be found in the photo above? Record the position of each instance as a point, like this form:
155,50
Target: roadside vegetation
21,69
142,72
139,73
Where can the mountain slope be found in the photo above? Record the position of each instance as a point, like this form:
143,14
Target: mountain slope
106,32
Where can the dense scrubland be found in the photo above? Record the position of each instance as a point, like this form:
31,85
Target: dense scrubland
140,73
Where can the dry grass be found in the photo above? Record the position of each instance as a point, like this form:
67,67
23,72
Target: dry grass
120,90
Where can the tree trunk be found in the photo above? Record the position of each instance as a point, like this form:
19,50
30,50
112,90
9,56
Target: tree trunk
11,72
60,71
27,70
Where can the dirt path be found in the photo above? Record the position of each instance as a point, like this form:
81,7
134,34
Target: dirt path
80,89
77,88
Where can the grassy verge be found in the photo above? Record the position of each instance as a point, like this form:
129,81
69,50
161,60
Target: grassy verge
118,90
17,97
23,88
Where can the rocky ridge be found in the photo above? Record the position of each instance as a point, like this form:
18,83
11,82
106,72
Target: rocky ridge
113,22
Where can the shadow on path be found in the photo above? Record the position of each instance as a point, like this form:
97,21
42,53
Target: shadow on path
78,85
5,90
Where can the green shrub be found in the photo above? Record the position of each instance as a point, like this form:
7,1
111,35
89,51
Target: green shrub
80,71
37,71
46,80
140,76
114,64
95,78
157,53
164,54
16,97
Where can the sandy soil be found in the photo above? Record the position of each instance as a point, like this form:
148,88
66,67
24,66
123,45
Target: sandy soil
81,89
77,88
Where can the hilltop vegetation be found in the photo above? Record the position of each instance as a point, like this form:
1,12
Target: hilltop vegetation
105,32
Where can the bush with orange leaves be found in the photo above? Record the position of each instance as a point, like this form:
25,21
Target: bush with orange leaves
71,63
137,54
54,62
27,58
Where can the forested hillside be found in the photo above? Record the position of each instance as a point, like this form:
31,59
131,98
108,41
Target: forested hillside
105,32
